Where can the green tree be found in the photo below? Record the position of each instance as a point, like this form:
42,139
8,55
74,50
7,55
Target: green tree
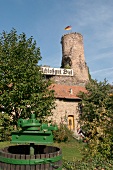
23,88
97,118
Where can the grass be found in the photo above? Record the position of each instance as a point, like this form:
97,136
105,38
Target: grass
70,150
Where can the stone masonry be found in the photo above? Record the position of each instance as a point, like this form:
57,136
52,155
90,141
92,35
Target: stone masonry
73,58
67,111
63,110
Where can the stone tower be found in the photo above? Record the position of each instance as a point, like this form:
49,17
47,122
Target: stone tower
73,56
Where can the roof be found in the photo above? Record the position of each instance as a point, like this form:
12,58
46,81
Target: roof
67,92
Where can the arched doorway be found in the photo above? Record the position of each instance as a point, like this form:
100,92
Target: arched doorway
71,122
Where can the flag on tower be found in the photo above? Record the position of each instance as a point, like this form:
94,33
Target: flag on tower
68,28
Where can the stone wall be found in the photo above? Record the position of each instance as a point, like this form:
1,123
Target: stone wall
73,55
64,108
73,58
66,80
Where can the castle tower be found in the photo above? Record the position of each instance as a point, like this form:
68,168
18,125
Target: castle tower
73,56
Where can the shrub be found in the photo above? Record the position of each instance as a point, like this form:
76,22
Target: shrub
63,134
96,163
5,127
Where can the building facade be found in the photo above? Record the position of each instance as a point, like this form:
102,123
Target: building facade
67,109
69,80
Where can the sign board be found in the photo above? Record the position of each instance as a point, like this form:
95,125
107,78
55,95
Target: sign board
57,71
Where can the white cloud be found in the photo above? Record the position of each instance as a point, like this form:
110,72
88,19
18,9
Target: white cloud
101,56
102,70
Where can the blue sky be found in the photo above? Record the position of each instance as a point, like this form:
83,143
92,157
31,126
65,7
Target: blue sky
45,20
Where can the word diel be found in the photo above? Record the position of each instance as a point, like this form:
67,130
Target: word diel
57,71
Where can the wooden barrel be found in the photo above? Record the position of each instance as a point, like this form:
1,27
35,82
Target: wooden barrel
18,158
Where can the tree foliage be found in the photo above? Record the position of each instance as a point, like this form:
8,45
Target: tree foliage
23,88
97,118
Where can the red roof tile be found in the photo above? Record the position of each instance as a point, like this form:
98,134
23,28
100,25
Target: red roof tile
67,92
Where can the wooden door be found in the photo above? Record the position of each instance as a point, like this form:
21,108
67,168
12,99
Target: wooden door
71,122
